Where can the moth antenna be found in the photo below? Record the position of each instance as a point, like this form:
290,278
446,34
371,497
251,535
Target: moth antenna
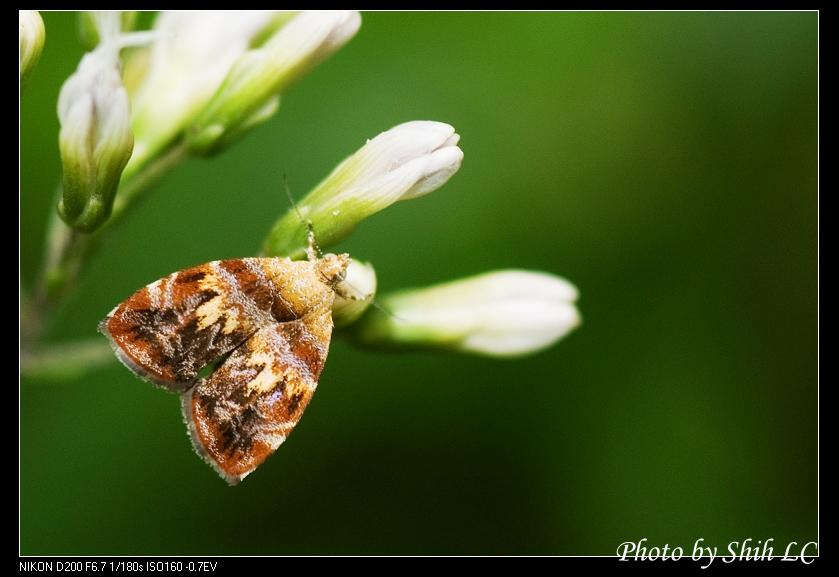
384,310
375,303
291,198
313,251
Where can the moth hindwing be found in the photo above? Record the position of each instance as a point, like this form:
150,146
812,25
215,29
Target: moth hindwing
268,321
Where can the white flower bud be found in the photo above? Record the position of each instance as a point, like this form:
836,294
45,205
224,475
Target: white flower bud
354,294
407,161
95,140
259,75
502,313
31,37
189,60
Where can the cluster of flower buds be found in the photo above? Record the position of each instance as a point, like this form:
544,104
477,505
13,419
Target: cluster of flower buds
205,78
250,92
211,76
202,78
182,70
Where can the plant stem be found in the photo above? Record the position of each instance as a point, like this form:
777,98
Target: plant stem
66,361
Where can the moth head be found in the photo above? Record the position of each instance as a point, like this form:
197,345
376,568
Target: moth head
332,268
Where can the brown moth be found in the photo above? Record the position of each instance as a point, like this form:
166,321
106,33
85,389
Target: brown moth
267,321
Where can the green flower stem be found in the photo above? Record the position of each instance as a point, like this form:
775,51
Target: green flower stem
65,250
66,361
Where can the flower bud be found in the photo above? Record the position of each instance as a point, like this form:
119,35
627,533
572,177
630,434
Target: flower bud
190,58
407,161
259,75
500,314
31,37
95,140
354,294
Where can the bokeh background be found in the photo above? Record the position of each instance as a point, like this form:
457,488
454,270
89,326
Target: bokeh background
665,163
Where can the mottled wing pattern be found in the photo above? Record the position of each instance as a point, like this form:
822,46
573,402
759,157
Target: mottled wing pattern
240,414
171,329
268,321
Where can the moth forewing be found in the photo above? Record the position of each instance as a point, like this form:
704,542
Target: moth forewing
169,330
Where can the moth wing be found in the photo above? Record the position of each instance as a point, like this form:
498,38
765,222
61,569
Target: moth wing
240,414
169,330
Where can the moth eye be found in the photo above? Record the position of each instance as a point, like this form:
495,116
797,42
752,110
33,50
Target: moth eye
331,269
335,276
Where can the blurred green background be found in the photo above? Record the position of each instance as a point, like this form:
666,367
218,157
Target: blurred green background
665,163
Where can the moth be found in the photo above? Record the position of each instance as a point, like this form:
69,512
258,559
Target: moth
263,324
